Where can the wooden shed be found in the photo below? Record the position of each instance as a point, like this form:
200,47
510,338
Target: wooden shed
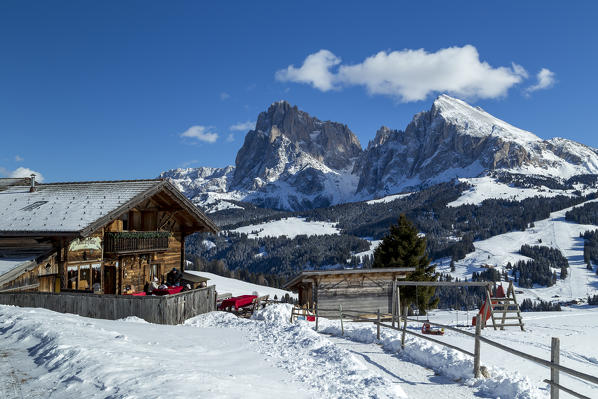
357,289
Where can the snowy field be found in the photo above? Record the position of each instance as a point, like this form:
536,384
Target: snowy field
290,227
487,187
48,354
555,232
238,287
388,198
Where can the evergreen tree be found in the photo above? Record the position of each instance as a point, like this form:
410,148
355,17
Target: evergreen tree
402,247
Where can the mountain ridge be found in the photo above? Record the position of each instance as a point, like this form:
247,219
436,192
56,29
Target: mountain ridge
295,161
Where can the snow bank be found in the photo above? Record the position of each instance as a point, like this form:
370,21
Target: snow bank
66,356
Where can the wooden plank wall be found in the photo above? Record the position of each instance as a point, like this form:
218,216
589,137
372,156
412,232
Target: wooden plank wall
368,297
168,309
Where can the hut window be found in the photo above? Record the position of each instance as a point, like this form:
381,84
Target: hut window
125,219
82,277
72,275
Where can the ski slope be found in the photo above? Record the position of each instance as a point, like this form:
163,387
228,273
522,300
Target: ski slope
555,232
239,287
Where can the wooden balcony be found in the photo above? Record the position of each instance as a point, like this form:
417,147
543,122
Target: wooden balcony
134,242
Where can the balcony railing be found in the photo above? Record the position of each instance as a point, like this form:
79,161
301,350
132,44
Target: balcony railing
140,241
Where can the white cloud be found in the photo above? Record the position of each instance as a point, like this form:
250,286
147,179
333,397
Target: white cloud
224,96
409,75
242,126
26,172
314,71
18,158
201,133
189,163
230,138
546,79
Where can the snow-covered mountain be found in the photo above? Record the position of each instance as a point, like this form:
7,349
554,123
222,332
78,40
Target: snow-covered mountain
294,161
454,139
289,161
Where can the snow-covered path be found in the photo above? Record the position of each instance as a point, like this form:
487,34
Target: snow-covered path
417,381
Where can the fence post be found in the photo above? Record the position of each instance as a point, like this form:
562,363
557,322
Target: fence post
404,326
316,311
340,309
476,350
393,305
555,347
378,327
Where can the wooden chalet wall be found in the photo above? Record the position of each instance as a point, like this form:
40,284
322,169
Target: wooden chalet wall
169,309
360,290
355,293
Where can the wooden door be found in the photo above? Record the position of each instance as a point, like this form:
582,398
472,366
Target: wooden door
109,280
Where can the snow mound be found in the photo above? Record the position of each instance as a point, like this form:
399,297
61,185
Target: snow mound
279,313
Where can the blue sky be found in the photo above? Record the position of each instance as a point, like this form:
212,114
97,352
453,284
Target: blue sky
106,90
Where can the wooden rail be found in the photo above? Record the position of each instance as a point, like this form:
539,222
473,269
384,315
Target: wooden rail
553,364
123,245
167,309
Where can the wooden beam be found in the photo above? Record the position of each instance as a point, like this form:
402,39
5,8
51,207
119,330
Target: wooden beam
445,283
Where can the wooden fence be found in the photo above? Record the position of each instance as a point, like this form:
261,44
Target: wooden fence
167,309
552,364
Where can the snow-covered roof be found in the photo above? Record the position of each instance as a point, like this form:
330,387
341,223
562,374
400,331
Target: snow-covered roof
399,271
16,260
80,207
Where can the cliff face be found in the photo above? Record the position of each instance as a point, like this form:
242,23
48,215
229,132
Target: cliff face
284,134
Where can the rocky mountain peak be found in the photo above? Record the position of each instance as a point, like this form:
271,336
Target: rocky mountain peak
284,133
381,136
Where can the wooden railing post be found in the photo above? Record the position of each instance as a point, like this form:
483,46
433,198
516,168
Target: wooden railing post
316,312
476,349
378,327
555,347
404,326
340,309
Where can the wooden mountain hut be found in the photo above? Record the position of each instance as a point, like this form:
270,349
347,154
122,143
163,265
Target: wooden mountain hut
365,290
102,237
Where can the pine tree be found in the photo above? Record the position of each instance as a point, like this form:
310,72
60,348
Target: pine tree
402,247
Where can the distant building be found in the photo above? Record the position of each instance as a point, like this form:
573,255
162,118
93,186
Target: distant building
106,237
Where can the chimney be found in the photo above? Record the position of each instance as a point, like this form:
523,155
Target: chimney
32,188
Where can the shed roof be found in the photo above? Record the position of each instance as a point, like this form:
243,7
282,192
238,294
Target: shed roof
347,272
15,261
79,208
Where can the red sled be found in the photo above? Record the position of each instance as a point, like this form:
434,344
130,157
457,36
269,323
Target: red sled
427,329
